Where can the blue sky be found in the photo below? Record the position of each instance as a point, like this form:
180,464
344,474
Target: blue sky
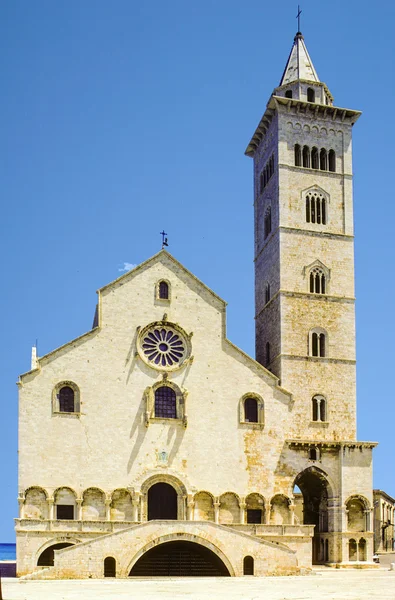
120,119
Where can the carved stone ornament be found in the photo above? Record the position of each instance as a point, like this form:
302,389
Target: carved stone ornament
163,346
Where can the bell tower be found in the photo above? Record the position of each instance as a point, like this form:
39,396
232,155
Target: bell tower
304,249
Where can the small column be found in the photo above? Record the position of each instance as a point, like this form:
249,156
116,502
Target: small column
79,509
190,508
136,504
107,503
292,513
51,508
21,503
268,508
217,504
368,520
242,506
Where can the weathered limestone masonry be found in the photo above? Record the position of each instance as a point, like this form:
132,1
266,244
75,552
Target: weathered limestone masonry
152,445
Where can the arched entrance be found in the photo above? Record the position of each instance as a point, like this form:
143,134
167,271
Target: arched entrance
179,559
162,502
47,557
311,499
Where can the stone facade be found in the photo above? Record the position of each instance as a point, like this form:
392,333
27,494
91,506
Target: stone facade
153,429
384,522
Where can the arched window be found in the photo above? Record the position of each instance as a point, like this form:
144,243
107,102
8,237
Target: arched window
318,343
314,158
362,549
267,354
163,290
251,410
66,399
298,156
268,221
288,94
315,208
319,408
306,156
267,293
332,161
310,95
352,550
248,565
165,403
109,566
323,160
317,281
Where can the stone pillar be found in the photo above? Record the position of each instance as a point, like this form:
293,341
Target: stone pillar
368,519
217,504
79,509
292,513
268,508
136,504
190,508
242,505
107,503
51,508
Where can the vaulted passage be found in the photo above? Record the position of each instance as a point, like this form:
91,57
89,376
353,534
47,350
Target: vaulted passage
46,558
179,559
162,502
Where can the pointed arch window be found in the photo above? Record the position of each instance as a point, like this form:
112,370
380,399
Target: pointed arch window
318,408
298,155
316,209
317,281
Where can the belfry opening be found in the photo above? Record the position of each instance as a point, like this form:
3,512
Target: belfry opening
179,559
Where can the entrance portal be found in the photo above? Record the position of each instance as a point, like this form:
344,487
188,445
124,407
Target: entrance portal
179,559
162,502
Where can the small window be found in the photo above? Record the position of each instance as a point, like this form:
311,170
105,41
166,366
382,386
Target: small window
288,94
267,293
323,160
165,403
315,208
313,454
251,410
64,512
306,156
109,567
318,344
163,290
298,156
317,281
319,408
332,161
314,158
268,222
310,95
66,399
248,565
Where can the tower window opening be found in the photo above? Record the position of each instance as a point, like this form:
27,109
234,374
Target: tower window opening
318,344
319,408
317,281
315,209
298,156
165,403
314,158
261,186
310,95
323,160
266,173
268,222
288,94
332,161
306,156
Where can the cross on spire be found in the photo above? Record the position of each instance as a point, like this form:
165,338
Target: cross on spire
298,17
164,239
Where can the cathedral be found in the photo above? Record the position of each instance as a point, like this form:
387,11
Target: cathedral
153,446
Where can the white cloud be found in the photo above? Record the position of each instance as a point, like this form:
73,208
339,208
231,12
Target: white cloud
126,267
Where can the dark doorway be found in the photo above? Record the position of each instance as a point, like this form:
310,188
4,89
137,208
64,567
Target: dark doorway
110,567
314,488
248,565
46,558
179,559
162,502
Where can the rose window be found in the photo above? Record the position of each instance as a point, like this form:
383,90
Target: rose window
163,347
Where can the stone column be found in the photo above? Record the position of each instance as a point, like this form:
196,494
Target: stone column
292,513
217,504
79,509
242,505
368,519
136,504
107,503
51,508
268,508
190,508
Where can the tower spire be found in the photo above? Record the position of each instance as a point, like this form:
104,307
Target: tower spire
299,64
